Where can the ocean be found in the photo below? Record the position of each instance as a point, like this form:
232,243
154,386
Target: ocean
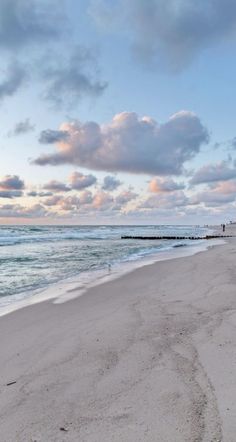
33,258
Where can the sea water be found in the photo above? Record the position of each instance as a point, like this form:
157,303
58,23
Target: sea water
32,258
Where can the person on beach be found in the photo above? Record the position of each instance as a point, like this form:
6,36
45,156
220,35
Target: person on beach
223,227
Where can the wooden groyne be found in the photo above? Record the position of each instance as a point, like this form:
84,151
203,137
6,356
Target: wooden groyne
195,238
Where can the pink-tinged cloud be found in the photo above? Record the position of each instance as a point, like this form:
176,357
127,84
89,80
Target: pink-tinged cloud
90,202
79,181
131,144
163,185
168,200
102,200
226,188
212,198
218,194
52,201
11,182
86,197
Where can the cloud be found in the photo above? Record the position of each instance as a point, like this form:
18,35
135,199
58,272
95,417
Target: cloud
169,32
34,194
125,197
10,194
232,143
86,197
11,186
11,182
29,22
52,201
221,193
71,78
102,200
18,211
90,203
56,186
37,31
70,203
163,185
111,183
22,127
14,78
49,136
212,198
105,14
167,201
214,172
131,144
226,188
79,181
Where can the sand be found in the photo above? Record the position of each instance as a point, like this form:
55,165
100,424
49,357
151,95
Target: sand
150,356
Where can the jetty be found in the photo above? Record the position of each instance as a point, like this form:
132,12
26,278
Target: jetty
194,238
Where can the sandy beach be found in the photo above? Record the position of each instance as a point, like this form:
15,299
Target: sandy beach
147,357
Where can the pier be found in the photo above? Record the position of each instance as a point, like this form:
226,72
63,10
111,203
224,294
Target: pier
194,238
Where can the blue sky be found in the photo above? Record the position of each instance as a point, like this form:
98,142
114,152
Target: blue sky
141,92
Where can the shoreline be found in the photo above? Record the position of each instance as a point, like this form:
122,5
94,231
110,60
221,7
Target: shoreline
67,289
145,357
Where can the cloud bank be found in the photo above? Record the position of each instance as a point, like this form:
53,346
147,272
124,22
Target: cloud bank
131,144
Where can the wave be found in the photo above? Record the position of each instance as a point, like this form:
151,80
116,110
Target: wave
33,256
34,234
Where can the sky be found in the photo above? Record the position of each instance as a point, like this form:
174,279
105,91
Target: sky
117,111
